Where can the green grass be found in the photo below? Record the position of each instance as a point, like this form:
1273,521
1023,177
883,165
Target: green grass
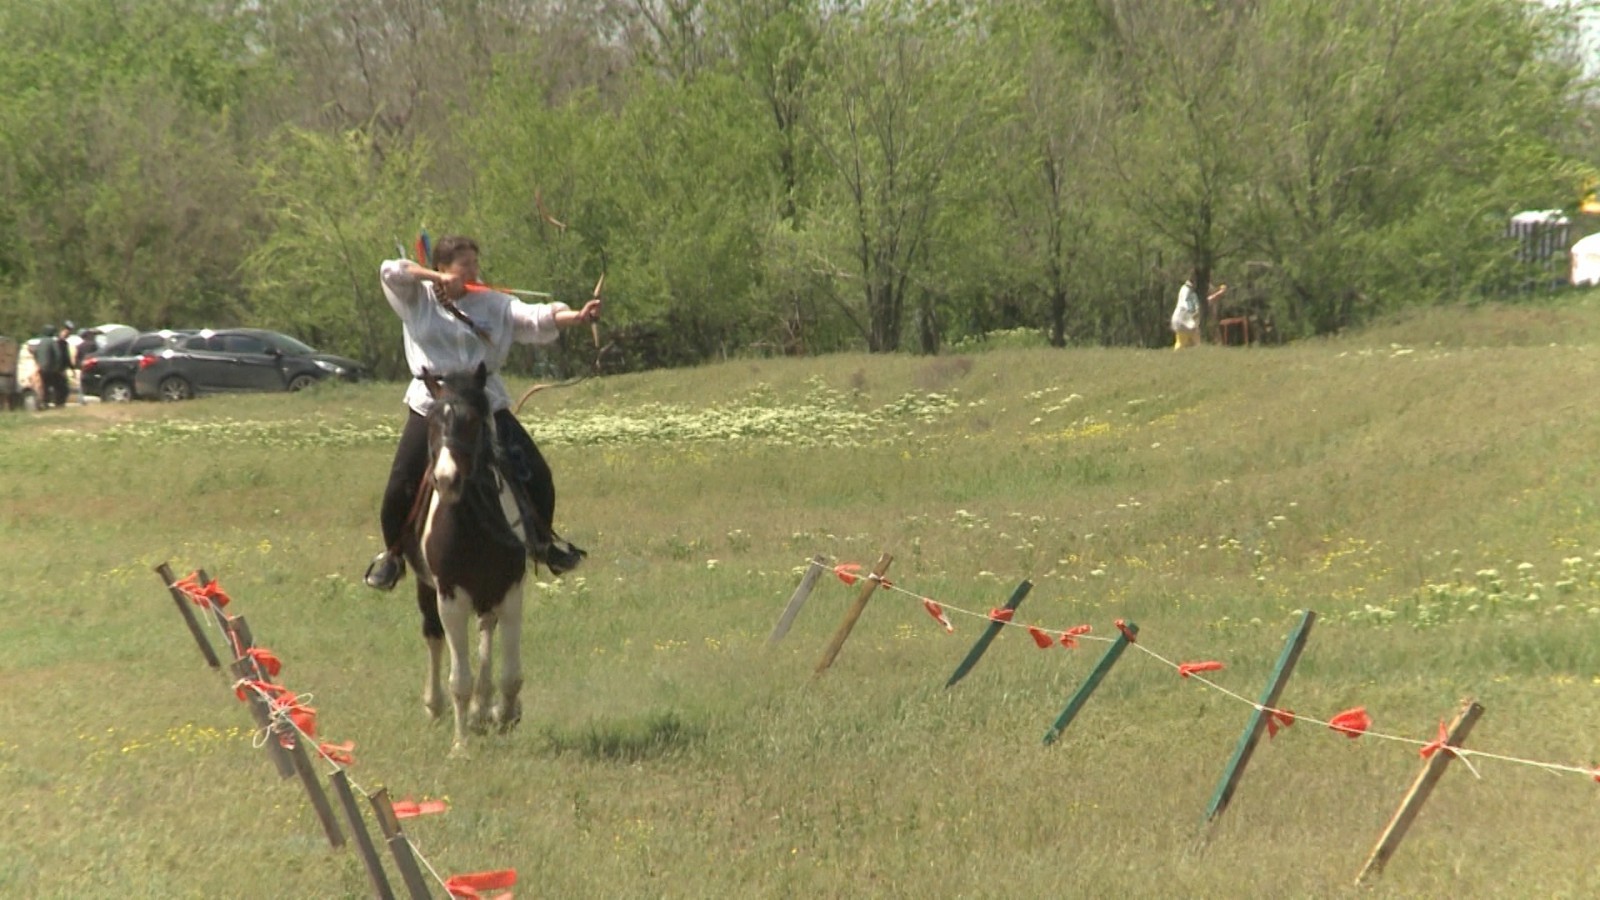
1427,486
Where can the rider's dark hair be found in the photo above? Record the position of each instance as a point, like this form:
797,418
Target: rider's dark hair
449,247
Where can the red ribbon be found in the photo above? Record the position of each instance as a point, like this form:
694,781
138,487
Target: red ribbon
280,699
410,809
265,659
1210,665
1352,723
338,754
1001,614
1044,640
1068,636
849,573
304,719
1278,719
1127,632
472,885
1438,743
202,595
937,612
265,687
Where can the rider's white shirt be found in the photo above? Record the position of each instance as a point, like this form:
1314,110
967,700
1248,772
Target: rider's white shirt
441,343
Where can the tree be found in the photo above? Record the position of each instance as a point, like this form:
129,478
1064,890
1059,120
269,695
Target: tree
895,112
1387,159
123,160
1183,88
1047,193
335,214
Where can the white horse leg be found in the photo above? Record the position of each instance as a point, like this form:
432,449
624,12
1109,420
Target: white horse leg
483,693
509,712
432,696
453,612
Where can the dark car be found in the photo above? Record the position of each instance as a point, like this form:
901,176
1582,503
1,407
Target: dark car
233,360
108,372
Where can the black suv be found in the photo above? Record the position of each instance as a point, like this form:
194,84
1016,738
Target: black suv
236,359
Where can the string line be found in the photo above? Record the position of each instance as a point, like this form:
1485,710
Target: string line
1462,753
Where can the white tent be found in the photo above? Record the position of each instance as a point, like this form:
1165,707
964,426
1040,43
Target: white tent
1586,260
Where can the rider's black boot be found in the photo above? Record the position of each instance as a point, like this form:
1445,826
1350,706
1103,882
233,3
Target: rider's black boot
385,571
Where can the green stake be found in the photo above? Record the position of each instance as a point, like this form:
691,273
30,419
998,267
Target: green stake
1258,719
1113,653
976,653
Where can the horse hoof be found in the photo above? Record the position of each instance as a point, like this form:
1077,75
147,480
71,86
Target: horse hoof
433,710
459,751
508,720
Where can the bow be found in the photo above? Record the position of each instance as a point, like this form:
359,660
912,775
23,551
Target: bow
599,352
594,324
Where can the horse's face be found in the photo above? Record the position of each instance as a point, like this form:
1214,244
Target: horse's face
459,433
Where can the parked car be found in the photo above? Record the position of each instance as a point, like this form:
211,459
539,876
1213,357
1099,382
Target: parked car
108,373
236,359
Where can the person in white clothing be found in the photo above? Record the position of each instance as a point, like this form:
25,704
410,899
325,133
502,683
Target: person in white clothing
452,322
1186,315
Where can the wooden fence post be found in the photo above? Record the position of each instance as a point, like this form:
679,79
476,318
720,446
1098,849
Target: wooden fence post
1395,831
244,669
1258,720
977,651
369,853
399,846
1129,630
809,581
185,608
870,584
319,799
242,641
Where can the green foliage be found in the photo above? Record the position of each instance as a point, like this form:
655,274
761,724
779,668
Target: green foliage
780,176
336,209
124,163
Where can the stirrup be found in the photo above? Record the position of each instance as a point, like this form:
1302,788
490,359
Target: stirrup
560,556
385,571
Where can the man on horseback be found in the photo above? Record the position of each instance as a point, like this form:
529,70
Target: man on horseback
452,322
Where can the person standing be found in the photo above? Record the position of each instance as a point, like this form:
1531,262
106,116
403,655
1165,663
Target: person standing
54,357
452,323
1186,315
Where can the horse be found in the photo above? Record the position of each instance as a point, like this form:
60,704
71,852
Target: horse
469,557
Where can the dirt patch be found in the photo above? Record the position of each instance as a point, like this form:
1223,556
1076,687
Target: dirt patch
91,416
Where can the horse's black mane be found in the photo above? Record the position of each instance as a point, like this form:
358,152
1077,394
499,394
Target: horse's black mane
481,492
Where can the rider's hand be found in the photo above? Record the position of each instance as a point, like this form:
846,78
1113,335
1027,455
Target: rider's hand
452,285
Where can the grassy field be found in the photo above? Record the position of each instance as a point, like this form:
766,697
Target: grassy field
1428,487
